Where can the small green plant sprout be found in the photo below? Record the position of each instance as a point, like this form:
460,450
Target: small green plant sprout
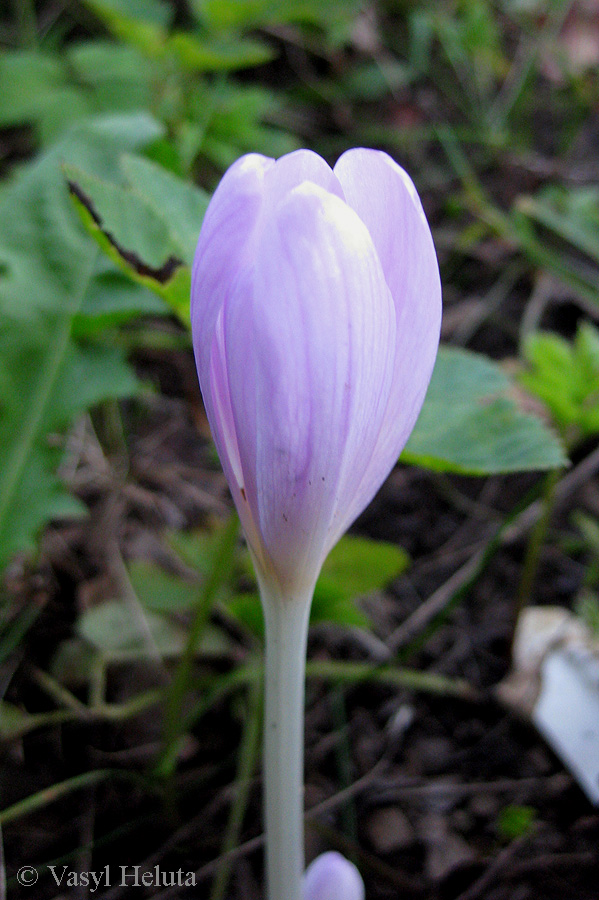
565,376
515,821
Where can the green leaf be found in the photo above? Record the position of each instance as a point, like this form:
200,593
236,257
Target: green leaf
565,376
471,424
181,204
53,93
161,592
113,299
355,567
148,229
47,379
200,54
140,235
115,629
246,609
118,77
35,89
140,22
235,119
196,549
587,609
27,77
228,14
358,565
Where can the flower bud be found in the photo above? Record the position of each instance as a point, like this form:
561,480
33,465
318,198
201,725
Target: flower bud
316,307
332,877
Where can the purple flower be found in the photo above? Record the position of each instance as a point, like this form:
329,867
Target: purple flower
316,308
332,877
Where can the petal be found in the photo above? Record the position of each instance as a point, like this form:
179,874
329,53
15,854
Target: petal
385,198
309,344
222,424
293,169
225,235
332,877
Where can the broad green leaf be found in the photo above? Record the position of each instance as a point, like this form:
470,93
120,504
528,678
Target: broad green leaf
161,592
180,204
171,280
122,631
355,567
48,265
195,548
149,229
43,250
117,131
140,234
151,12
115,628
112,299
39,88
47,381
471,424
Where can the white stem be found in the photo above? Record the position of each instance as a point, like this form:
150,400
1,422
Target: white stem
286,636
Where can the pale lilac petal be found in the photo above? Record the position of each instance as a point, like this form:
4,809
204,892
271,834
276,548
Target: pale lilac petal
309,337
332,877
384,197
293,169
226,233
222,422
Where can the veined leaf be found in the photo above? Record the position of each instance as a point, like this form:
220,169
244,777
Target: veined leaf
181,204
148,229
47,378
471,424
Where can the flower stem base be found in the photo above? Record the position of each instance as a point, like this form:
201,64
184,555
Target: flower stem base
286,637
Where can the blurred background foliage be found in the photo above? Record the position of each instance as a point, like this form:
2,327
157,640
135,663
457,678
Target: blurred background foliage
117,119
